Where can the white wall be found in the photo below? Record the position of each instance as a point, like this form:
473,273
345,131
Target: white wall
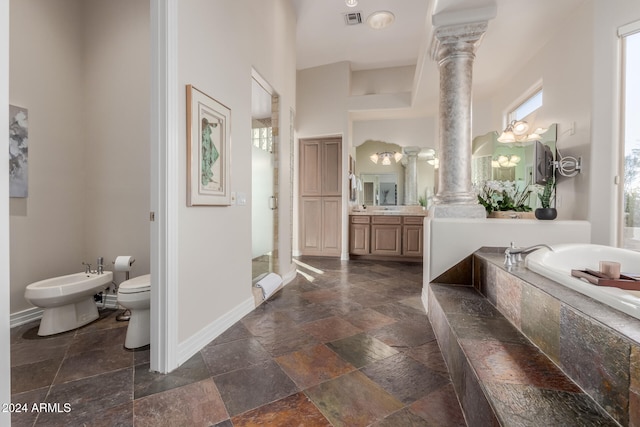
116,107
46,77
417,132
321,104
219,43
382,80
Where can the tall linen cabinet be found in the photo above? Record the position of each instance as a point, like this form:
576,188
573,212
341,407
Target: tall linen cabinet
320,196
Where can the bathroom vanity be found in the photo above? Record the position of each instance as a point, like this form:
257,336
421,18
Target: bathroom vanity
387,234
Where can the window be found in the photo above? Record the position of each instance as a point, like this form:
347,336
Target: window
630,221
530,105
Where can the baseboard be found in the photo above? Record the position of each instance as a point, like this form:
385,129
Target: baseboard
289,276
35,313
25,316
425,298
195,343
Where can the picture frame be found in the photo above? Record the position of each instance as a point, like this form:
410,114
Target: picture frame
208,150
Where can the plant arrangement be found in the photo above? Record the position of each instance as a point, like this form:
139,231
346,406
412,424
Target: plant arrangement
547,194
504,196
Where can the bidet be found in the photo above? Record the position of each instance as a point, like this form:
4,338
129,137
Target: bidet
67,300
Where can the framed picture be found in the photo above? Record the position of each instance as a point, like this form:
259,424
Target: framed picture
208,160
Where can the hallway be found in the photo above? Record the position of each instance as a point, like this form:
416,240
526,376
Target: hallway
344,344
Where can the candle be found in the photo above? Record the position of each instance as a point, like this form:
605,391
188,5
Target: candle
610,268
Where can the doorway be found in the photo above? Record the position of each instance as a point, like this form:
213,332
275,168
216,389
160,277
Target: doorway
264,178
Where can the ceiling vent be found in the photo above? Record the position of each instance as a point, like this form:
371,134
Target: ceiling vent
353,18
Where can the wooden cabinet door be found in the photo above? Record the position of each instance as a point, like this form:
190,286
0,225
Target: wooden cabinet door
386,239
311,225
331,167
359,238
320,197
331,225
310,168
412,240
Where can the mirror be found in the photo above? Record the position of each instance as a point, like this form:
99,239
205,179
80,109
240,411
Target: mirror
496,161
384,185
380,189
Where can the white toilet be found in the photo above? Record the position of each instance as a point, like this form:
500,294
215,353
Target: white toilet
135,295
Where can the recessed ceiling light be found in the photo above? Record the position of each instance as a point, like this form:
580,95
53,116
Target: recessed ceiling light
351,3
380,19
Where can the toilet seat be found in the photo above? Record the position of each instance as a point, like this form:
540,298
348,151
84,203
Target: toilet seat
136,285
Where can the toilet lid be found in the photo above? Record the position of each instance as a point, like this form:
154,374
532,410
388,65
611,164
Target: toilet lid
135,285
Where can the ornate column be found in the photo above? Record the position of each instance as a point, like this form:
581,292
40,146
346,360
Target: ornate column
411,176
454,50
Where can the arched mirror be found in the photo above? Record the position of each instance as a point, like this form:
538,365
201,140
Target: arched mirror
385,173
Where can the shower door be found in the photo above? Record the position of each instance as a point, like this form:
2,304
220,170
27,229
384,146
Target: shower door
263,171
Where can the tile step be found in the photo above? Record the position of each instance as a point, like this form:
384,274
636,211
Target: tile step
500,377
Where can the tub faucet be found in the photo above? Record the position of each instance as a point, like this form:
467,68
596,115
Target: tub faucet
100,268
513,255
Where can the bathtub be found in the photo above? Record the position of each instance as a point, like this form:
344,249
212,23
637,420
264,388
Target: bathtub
557,265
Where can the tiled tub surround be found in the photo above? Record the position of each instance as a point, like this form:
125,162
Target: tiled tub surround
502,340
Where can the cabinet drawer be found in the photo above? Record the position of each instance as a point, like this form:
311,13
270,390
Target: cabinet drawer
389,219
360,219
417,220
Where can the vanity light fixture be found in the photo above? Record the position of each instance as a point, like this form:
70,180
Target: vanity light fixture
380,19
505,161
516,131
385,157
351,3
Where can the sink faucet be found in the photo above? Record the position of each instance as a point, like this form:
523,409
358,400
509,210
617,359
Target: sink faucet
513,255
87,267
100,268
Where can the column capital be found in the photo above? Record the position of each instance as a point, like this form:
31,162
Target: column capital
458,36
411,151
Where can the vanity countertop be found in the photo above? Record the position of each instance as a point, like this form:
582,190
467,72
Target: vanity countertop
397,211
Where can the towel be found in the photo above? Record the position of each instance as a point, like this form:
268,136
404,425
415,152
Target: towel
269,284
352,179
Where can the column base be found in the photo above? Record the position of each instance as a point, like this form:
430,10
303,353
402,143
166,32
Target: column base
457,211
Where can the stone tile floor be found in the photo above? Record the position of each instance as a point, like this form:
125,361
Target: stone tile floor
344,344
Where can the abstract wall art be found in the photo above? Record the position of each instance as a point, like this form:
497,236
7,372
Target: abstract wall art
18,151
